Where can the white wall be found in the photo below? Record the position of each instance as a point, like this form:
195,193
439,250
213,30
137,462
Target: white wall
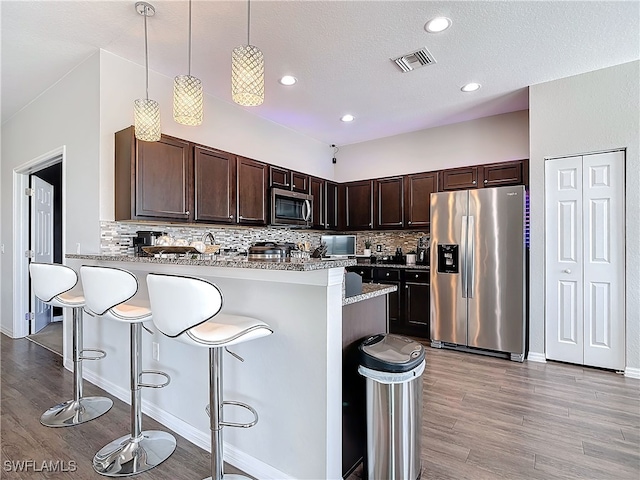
586,113
67,114
226,126
491,139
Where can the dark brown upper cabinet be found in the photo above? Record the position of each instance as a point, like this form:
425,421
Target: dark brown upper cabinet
331,205
279,177
152,179
215,185
417,198
358,205
251,188
319,207
506,173
299,182
388,198
459,178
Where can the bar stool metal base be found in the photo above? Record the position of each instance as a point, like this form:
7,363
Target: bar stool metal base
75,412
130,456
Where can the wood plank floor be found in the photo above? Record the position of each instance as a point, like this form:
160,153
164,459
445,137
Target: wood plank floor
32,380
483,418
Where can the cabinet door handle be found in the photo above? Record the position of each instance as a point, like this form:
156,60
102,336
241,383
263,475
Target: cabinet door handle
417,275
188,212
486,181
240,217
369,223
387,274
567,270
409,222
474,182
407,287
230,216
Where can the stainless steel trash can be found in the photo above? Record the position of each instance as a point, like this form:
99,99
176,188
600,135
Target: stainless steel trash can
392,366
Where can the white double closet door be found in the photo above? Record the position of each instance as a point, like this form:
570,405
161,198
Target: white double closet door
585,263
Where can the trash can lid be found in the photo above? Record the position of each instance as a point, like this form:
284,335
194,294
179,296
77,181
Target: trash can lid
391,353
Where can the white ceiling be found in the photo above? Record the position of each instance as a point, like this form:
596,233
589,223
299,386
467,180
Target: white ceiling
339,50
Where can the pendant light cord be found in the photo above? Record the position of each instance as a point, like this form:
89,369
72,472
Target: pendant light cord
248,22
146,54
189,71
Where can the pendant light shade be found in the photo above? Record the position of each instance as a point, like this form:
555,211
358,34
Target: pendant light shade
146,112
247,72
187,94
147,119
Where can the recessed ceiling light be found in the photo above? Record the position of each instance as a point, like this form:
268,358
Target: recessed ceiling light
347,118
288,80
437,25
471,87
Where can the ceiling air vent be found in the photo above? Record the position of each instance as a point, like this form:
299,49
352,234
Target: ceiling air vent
414,60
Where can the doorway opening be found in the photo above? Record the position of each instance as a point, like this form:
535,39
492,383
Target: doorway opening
47,171
45,233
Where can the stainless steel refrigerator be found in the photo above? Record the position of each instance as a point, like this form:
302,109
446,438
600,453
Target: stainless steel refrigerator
478,270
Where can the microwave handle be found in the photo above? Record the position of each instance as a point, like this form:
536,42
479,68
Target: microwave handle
307,205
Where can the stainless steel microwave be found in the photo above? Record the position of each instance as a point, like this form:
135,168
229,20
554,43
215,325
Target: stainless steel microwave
291,208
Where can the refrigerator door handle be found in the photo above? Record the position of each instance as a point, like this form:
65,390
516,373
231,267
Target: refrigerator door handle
470,260
463,256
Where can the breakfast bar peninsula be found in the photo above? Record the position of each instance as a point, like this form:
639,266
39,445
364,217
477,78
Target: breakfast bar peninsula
293,378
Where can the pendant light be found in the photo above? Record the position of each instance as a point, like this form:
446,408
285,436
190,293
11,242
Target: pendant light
247,71
187,94
146,112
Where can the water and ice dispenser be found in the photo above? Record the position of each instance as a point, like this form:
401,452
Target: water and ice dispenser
448,258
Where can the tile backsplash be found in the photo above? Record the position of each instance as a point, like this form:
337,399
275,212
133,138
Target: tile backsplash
116,237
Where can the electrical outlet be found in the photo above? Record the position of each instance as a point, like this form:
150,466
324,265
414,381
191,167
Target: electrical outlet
378,248
156,351
77,248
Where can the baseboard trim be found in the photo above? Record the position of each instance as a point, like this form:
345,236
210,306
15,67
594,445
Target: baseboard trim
6,331
537,357
632,372
232,455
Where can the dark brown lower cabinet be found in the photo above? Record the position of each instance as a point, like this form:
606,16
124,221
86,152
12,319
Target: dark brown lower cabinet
390,276
409,306
417,295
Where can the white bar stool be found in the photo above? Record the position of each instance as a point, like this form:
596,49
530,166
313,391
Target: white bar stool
188,309
106,290
51,282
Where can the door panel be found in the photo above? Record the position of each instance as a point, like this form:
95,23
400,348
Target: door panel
588,236
564,295
41,243
448,307
496,269
604,233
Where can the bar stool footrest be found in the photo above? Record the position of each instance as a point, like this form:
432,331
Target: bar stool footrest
235,424
100,354
154,385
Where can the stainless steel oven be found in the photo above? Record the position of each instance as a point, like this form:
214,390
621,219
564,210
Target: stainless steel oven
291,208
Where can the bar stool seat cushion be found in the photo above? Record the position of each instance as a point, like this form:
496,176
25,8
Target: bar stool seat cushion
107,290
52,282
126,312
188,309
69,300
224,330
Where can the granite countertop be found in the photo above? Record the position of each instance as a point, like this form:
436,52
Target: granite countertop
369,290
296,264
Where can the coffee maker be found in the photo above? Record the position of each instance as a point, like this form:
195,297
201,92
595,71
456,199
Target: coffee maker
144,238
422,257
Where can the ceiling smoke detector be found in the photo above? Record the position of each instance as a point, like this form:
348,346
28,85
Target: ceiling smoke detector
414,60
